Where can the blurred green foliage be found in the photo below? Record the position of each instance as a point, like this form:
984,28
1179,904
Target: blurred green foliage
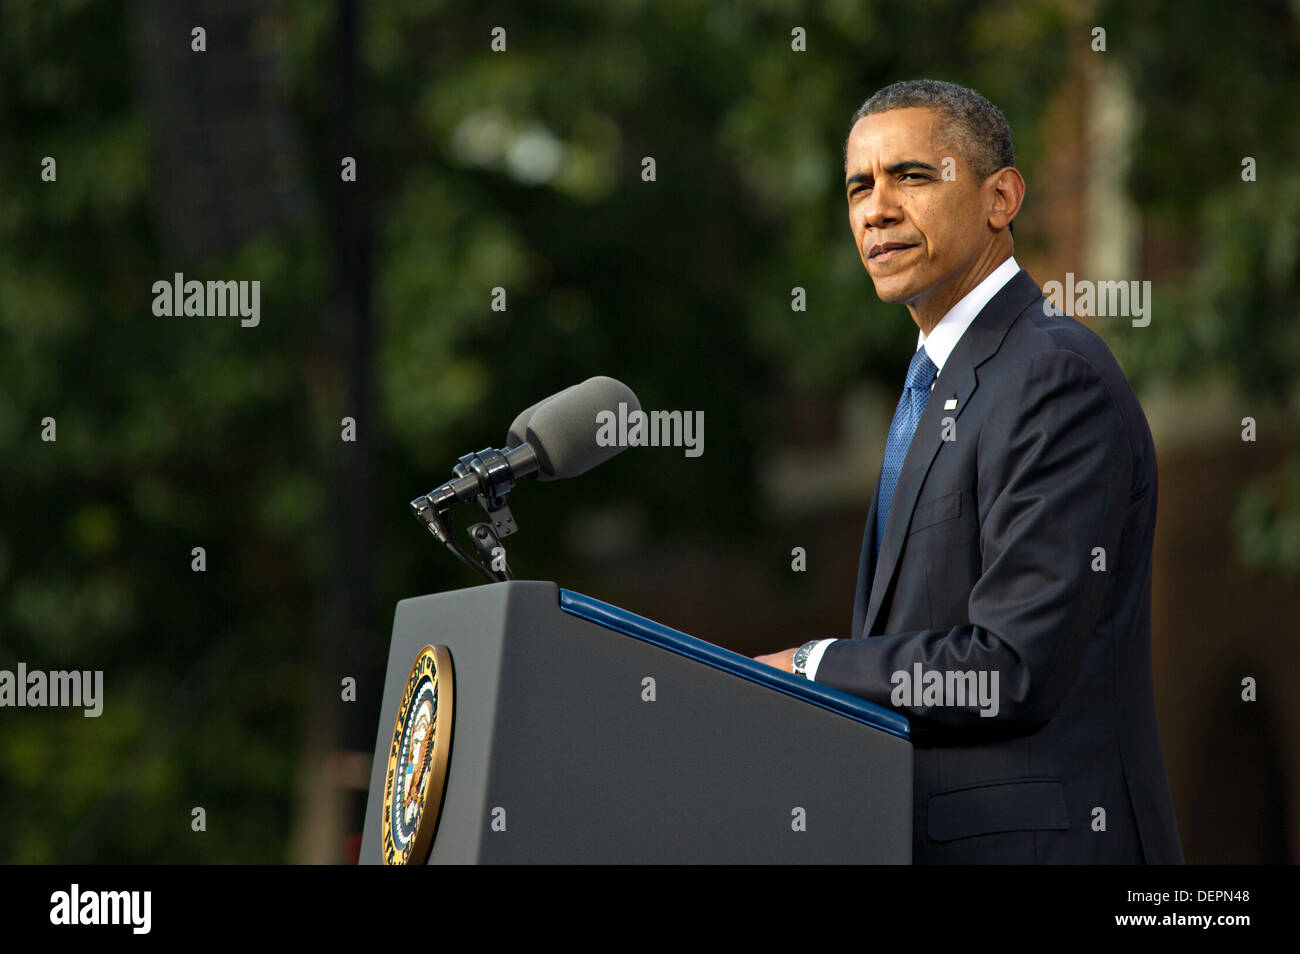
1232,307
520,170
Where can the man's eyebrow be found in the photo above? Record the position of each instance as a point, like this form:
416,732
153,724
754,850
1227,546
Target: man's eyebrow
898,168
907,165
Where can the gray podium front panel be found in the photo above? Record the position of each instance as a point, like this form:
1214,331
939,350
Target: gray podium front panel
553,735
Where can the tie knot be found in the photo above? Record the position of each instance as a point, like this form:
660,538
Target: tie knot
921,372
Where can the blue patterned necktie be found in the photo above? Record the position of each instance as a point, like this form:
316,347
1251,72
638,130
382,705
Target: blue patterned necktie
916,393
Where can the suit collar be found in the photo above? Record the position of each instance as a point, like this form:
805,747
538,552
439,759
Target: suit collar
984,336
943,337
952,388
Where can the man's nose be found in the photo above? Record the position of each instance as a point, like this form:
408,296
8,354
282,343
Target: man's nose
880,209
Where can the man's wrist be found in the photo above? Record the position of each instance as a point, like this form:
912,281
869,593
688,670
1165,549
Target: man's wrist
799,660
815,653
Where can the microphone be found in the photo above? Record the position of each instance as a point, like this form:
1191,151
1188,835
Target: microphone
519,427
563,429
554,439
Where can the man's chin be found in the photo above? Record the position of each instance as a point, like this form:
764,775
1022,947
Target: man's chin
893,293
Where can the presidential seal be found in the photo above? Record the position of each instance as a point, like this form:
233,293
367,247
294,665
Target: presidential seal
417,761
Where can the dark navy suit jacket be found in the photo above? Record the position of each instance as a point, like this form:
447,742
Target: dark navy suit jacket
990,561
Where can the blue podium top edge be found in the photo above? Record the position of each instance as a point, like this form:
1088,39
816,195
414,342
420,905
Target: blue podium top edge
833,700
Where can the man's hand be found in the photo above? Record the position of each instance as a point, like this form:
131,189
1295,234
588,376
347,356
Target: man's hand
784,660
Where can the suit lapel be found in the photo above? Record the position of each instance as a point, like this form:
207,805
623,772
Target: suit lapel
957,381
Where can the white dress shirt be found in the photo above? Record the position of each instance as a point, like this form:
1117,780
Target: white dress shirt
943,337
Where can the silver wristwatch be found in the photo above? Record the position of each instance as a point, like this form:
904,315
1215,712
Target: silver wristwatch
801,655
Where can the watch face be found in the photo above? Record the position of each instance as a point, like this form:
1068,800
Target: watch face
801,657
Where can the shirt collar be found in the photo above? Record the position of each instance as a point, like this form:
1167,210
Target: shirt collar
944,336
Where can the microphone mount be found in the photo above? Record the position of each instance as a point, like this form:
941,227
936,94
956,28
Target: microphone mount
487,476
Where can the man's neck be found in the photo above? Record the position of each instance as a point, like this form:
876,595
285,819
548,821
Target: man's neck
928,311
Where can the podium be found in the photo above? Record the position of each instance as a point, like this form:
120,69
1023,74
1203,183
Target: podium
556,728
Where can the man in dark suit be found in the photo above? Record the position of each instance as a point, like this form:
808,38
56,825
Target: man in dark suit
1004,587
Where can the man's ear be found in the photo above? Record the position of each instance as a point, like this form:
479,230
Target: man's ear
1007,193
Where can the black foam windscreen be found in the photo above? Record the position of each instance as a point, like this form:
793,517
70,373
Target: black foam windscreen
563,429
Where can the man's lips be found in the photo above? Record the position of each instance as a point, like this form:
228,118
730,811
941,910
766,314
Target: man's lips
884,251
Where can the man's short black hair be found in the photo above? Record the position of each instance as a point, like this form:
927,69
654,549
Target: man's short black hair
978,128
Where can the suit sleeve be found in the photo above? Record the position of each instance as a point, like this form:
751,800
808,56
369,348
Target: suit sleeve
1053,476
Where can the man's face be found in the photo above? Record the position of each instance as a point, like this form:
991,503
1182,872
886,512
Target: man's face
916,232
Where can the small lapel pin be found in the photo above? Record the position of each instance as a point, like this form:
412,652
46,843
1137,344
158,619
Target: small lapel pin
950,404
